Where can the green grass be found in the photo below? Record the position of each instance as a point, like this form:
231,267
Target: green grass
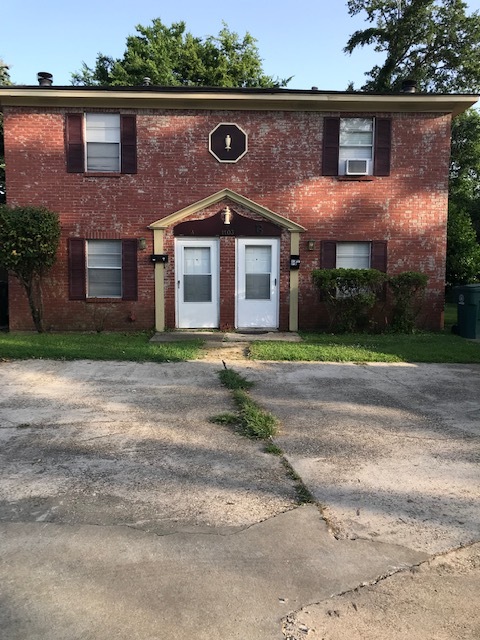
233,380
95,346
420,347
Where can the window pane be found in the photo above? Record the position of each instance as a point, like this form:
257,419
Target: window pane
353,255
103,156
196,260
356,138
197,288
356,124
355,153
104,253
103,127
258,259
257,286
104,283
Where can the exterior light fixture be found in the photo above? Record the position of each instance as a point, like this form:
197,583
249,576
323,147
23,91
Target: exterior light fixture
310,245
227,215
142,244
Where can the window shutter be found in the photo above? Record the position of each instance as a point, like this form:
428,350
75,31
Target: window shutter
129,270
76,269
74,143
328,256
379,255
128,133
383,143
331,142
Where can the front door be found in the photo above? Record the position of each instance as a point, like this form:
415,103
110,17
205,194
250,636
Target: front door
197,284
257,283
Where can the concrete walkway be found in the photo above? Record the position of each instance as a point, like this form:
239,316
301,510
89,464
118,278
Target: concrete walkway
126,513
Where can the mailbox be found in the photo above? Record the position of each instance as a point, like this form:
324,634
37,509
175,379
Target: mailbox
161,258
294,262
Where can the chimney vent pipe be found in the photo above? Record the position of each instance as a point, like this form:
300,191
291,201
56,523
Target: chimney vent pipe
44,78
409,86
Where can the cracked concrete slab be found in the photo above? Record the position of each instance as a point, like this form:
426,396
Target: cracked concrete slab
391,451
437,600
68,582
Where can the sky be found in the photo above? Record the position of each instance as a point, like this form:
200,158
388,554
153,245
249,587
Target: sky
299,38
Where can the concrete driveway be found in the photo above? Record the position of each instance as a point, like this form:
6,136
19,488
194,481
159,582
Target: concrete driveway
125,513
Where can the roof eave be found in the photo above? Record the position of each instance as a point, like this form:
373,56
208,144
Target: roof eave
234,101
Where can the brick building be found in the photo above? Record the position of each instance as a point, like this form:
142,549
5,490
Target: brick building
196,208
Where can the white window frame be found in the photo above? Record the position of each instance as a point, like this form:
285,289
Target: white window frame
96,267
108,134
356,151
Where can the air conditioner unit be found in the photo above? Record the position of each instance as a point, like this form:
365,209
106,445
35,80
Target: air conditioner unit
356,167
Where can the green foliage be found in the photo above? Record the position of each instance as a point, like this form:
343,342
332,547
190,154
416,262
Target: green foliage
433,42
172,56
29,238
4,80
463,250
406,288
349,295
135,347
254,421
388,347
233,380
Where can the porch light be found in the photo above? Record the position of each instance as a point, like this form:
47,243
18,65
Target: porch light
142,244
227,216
310,245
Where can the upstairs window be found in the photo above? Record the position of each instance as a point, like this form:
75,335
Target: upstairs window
102,139
355,155
101,143
356,146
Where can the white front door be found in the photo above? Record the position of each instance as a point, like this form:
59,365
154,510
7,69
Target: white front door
197,284
257,283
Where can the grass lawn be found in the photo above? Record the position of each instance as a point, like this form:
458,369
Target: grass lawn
421,347
95,346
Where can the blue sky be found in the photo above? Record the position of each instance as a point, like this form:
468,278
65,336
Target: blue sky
300,38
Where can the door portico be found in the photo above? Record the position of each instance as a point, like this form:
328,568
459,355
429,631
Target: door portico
252,246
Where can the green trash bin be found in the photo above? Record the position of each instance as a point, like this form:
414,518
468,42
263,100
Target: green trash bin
468,310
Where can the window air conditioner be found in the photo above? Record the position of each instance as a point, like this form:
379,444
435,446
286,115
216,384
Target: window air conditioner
356,167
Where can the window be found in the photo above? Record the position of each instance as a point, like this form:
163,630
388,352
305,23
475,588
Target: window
356,146
102,269
102,135
354,255
101,143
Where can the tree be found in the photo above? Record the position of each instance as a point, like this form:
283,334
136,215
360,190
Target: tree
433,42
171,56
4,80
29,238
463,250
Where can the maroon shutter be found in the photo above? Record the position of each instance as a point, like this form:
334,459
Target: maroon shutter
331,143
379,255
76,269
129,270
328,255
74,143
128,133
383,143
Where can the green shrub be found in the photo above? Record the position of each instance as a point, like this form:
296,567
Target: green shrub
349,296
407,289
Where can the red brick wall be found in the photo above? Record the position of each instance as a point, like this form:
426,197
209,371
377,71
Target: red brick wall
281,171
